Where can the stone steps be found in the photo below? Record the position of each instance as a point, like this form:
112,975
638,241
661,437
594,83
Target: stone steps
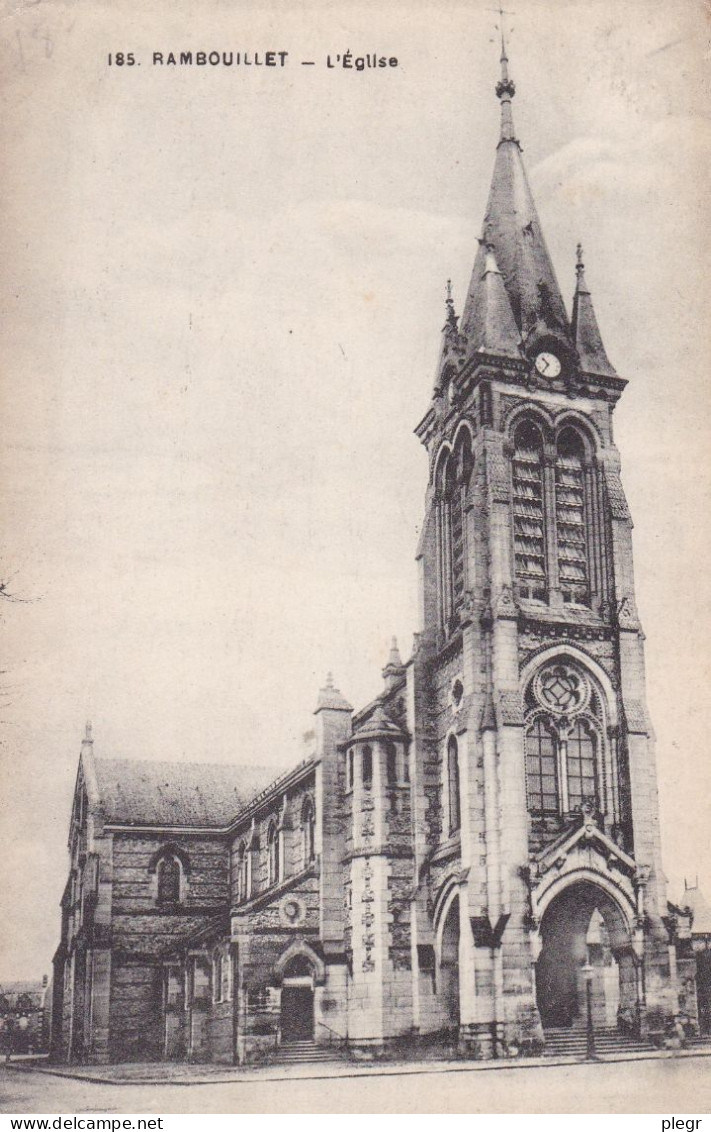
562,1042
296,1052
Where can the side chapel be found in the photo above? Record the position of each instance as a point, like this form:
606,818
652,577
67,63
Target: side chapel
460,854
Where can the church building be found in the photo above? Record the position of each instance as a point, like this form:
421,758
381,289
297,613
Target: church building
476,852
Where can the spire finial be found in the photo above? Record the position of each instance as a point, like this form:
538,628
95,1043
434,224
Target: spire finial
505,88
581,287
394,669
502,12
394,659
329,680
88,733
449,302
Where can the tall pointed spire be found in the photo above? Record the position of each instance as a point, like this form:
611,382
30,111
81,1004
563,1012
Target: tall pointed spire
586,333
513,232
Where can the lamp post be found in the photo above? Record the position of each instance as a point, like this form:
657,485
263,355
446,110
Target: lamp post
590,1054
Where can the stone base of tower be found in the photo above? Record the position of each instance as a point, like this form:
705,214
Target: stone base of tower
480,1040
520,1038
659,1008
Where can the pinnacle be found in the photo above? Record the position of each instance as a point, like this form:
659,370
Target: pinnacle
585,329
394,659
330,697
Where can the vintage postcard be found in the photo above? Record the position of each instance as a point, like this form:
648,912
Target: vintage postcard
354,749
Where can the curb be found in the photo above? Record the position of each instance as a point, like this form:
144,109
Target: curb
249,1076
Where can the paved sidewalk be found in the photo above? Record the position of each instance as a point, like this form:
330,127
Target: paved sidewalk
182,1073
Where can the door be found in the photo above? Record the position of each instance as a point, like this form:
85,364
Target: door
297,1014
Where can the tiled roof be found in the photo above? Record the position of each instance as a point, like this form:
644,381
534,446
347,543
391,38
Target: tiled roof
377,725
693,899
177,794
13,992
30,986
491,326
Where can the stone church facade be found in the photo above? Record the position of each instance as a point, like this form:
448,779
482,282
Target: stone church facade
458,856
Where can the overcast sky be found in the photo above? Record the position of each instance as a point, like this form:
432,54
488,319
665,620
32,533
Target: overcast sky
222,295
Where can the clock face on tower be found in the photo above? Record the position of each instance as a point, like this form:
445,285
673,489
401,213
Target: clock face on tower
547,364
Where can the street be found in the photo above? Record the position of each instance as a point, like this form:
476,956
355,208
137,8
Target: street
661,1085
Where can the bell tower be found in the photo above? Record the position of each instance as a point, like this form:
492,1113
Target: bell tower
533,752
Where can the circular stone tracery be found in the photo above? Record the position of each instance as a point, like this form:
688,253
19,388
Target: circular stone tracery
292,911
562,689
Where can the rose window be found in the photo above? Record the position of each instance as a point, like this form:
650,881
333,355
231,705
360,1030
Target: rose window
562,689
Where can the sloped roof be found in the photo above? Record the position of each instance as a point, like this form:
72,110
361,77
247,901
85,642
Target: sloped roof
13,992
330,697
175,793
491,326
378,725
694,899
513,232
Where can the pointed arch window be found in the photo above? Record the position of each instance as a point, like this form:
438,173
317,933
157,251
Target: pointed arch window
460,484
273,854
217,977
308,832
529,512
454,804
570,516
390,764
452,479
367,767
563,737
243,873
168,891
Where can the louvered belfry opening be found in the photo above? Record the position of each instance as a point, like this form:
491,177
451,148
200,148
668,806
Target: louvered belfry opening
462,472
452,481
529,512
570,518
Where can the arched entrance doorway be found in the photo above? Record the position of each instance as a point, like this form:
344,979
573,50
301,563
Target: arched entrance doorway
449,963
585,925
297,1001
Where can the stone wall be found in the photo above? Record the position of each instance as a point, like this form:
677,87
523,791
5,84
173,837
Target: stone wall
143,932
136,1011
